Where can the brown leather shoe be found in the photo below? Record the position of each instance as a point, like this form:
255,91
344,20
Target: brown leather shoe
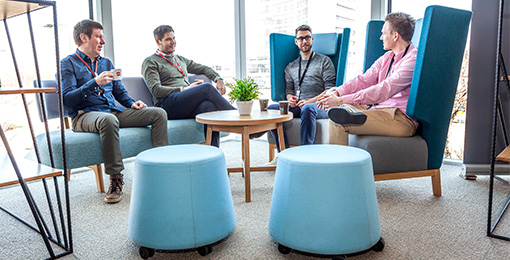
114,193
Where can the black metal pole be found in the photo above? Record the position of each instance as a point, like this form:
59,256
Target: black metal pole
38,74
501,115
62,130
29,225
27,193
503,122
499,63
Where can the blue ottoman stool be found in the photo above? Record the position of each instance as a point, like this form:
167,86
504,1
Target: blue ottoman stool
324,201
180,199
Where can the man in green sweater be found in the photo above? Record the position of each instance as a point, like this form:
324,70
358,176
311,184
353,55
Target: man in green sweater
166,76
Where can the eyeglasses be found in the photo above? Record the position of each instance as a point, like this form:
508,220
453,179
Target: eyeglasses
306,38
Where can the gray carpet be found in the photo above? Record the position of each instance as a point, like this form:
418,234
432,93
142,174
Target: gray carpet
415,224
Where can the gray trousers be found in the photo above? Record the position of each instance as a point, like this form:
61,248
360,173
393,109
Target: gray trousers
107,125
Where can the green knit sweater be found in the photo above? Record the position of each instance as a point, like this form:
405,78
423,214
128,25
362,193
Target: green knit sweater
163,79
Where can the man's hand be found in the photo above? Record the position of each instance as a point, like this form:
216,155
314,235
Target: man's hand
293,101
138,105
301,103
194,84
332,91
220,86
328,101
104,78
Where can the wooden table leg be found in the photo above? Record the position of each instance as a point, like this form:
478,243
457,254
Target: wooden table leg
208,135
246,163
242,154
281,137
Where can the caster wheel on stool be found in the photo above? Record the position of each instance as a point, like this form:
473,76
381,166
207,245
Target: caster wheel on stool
339,257
204,250
283,249
379,246
146,252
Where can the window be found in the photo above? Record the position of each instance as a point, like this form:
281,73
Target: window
264,17
68,14
417,8
204,31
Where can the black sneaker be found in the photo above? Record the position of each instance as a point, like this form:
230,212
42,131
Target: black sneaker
114,193
257,135
347,115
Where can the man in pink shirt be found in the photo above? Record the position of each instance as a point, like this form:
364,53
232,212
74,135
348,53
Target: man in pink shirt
385,85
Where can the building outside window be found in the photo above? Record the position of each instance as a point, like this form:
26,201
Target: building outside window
68,14
204,31
264,17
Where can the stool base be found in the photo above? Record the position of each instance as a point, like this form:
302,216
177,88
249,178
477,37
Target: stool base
378,247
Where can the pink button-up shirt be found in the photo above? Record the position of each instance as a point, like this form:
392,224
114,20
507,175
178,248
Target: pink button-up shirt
373,87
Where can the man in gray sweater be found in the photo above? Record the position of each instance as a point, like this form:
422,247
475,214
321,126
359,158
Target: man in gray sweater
166,75
307,78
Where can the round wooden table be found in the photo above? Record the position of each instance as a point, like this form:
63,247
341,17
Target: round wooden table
230,121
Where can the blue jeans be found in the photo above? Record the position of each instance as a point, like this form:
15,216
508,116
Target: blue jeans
191,102
309,115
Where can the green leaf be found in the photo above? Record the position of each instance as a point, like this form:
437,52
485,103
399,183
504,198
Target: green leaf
243,90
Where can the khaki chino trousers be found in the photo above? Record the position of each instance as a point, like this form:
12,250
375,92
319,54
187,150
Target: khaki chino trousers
381,122
107,125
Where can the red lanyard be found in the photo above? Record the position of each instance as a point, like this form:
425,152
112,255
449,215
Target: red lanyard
93,72
178,68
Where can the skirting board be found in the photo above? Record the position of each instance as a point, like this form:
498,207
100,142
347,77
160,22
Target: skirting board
484,169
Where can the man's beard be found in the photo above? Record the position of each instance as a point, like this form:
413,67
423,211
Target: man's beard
306,49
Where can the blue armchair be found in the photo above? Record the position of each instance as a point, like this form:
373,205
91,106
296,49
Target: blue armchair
441,38
283,51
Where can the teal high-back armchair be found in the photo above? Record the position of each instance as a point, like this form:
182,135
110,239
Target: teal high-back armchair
283,50
442,40
373,44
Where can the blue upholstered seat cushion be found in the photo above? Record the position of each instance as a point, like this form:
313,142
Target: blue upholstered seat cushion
180,198
84,149
324,200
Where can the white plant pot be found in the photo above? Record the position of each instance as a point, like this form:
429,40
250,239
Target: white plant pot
244,107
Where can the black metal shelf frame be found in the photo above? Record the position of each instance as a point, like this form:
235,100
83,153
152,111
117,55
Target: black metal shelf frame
61,222
497,111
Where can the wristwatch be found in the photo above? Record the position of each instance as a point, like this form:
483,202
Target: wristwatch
217,78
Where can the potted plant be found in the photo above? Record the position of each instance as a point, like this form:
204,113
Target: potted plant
243,91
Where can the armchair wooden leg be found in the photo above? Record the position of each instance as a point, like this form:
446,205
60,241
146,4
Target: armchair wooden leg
98,171
434,174
68,175
436,183
272,148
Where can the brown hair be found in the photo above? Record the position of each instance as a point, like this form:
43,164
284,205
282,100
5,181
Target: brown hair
401,23
303,27
160,32
87,27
